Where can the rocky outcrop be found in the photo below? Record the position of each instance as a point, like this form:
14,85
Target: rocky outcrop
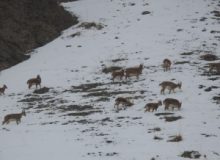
27,24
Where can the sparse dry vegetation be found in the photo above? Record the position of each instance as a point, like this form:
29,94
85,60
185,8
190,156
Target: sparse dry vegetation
89,25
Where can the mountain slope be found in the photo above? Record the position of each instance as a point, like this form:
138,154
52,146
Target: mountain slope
76,117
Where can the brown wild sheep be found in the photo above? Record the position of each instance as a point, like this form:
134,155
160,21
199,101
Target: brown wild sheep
14,117
166,64
34,81
123,101
152,106
118,73
133,71
171,102
2,89
214,66
170,86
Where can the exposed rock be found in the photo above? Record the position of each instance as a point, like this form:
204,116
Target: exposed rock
145,12
42,90
89,25
191,154
28,24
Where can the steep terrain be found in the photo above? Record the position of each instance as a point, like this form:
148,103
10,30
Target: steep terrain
27,24
73,115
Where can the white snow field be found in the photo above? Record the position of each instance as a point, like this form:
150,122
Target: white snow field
74,122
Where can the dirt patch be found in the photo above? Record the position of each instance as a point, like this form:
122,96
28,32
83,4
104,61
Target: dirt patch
209,57
103,99
85,113
86,87
75,108
163,114
31,99
119,60
172,118
187,53
41,90
182,62
109,94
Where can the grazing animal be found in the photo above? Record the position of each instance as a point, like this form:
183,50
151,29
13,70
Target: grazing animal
152,106
34,81
2,89
214,66
118,73
171,102
133,71
170,86
166,64
123,101
14,117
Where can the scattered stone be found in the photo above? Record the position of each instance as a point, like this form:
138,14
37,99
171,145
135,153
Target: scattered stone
176,138
179,30
216,13
89,25
111,154
75,34
213,32
158,138
156,129
145,12
208,135
191,154
217,99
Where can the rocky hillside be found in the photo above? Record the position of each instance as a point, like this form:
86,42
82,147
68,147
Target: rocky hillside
27,24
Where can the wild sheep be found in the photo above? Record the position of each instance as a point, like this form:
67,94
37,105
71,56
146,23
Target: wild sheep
152,106
214,66
166,64
171,102
170,86
133,71
118,73
2,89
123,101
14,117
34,81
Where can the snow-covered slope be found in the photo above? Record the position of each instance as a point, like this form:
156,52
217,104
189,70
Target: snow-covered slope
75,121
